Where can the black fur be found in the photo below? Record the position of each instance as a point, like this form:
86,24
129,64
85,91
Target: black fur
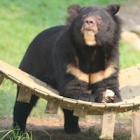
54,49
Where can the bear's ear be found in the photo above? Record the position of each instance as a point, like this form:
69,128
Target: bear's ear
73,9
113,9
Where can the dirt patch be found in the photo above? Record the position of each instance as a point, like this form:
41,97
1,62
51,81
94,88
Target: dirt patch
51,128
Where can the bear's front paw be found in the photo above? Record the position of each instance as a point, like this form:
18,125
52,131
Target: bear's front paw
108,96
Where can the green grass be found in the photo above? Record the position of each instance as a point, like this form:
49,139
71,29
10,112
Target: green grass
21,21
128,55
6,98
15,135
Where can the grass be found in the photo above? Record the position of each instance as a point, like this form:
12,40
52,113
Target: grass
21,21
128,55
15,135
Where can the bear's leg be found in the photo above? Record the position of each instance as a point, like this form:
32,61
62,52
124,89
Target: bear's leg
22,111
70,122
100,90
97,90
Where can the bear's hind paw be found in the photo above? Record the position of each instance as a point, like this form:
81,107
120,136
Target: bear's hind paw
72,130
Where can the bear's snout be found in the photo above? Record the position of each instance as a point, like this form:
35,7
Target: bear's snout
90,24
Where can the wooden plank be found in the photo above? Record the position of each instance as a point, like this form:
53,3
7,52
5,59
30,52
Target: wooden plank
80,111
135,129
44,91
24,94
108,125
52,106
68,103
129,80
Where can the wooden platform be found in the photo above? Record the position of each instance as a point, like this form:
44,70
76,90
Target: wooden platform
129,80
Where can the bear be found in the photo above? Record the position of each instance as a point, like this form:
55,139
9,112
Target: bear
79,59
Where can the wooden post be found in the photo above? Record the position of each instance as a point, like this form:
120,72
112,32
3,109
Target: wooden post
135,129
52,106
108,125
24,94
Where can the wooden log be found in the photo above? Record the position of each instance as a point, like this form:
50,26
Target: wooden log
108,124
135,129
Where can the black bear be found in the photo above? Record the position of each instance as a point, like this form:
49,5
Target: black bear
76,58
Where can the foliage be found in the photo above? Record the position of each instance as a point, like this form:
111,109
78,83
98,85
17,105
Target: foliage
15,134
128,55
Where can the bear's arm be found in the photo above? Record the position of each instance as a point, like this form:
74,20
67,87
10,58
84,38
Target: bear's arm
106,79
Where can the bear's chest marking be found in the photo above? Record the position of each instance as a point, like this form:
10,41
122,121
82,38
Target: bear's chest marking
77,73
90,78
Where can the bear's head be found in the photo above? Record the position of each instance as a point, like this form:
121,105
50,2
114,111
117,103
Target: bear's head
92,26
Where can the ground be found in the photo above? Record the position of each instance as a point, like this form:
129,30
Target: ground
51,127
